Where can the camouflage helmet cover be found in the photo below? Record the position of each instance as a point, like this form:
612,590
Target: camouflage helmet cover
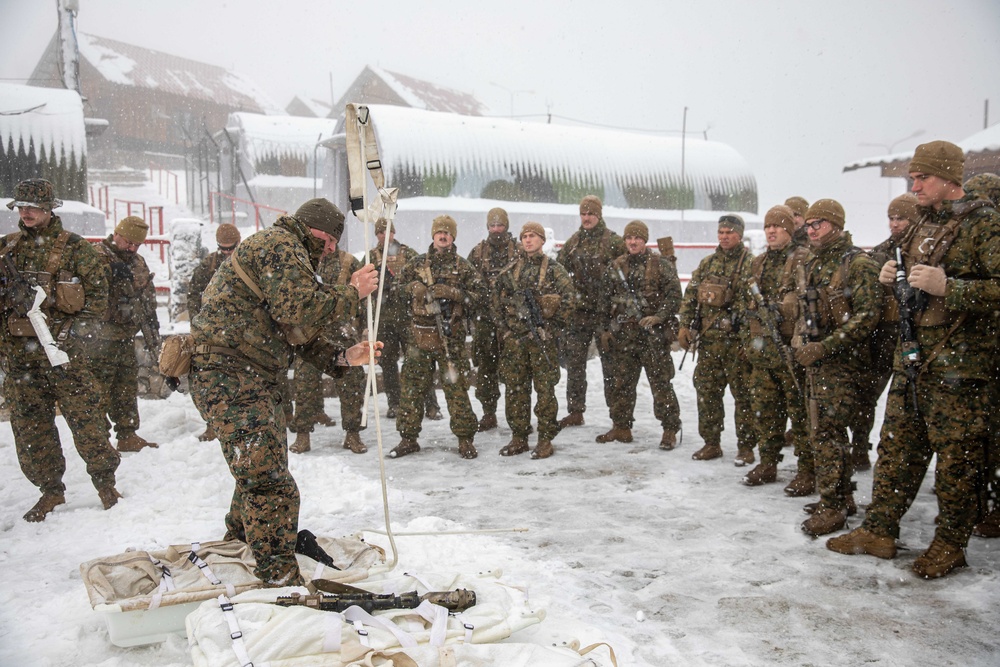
36,192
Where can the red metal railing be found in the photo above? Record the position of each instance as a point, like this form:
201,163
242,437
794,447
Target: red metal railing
99,198
237,205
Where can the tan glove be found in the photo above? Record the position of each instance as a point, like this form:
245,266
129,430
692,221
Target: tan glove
419,292
810,353
931,279
442,291
684,338
549,303
650,321
887,276
789,307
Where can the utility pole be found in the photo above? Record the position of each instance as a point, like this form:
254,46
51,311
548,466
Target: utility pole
69,49
684,123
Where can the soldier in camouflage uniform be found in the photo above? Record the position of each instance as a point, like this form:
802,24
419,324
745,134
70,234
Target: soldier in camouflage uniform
76,280
131,308
586,256
902,213
641,296
260,305
775,393
227,237
840,303
444,289
531,300
952,255
711,316
799,207
335,268
393,325
490,257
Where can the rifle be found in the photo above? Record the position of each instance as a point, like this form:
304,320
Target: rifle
911,301
535,320
809,296
434,307
341,596
767,318
15,291
635,305
143,312
696,327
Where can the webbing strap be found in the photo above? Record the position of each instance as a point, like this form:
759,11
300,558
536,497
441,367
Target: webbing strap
359,617
245,277
55,258
207,571
362,157
235,634
166,583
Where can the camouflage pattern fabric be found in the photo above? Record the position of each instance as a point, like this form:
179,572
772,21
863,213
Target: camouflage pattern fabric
393,322
33,387
628,296
528,360
586,256
721,359
952,392
200,278
116,371
847,355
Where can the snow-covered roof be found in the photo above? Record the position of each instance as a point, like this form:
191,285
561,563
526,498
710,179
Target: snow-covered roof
982,142
476,149
308,106
294,136
421,94
50,117
131,65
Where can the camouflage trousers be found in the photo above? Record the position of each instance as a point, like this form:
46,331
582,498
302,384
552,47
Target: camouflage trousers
394,337
521,365
350,388
32,390
953,424
836,399
575,346
774,399
115,368
633,351
243,408
486,358
720,364
418,377
872,382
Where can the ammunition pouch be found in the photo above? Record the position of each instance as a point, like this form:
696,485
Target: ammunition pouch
936,314
890,306
789,310
715,291
834,308
549,304
426,338
299,335
69,297
20,327
175,356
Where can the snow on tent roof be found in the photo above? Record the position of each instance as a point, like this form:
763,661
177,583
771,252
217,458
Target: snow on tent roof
131,65
50,117
431,143
280,135
984,141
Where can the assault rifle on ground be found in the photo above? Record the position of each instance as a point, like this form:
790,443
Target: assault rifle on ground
534,320
335,596
911,301
766,315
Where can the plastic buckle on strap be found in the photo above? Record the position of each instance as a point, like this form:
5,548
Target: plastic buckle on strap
357,203
235,635
226,606
374,164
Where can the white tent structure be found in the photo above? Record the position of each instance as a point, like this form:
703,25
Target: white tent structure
982,154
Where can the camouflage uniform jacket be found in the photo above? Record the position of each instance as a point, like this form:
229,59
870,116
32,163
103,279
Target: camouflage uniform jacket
638,286
491,258
774,274
447,267
586,256
972,265
131,283
731,267
30,250
510,308
281,261
395,305
200,278
336,268
848,313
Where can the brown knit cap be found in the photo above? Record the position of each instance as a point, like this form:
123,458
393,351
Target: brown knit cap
534,228
780,216
591,204
444,223
939,158
827,209
381,225
636,228
133,229
904,206
733,222
798,205
227,236
323,215
497,215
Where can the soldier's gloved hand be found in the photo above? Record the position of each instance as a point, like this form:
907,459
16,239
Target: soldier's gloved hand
442,291
685,338
930,279
887,276
605,341
549,303
650,321
365,280
810,353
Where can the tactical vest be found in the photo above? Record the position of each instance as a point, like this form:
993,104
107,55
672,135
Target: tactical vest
834,298
717,291
483,255
64,293
122,289
591,268
653,297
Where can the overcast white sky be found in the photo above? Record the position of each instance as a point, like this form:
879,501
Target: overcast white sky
795,87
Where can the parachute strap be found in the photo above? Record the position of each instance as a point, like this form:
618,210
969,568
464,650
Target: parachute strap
362,158
235,634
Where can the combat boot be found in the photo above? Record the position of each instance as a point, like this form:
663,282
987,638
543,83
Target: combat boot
325,420
48,502
744,457
133,443
301,444
572,419
939,559
824,520
517,445
860,541
668,441
405,446
109,495
543,450
859,457
989,526
711,450
434,414
208,435
488,422
466,449
352,441
803,484
849,506
616,433
764,473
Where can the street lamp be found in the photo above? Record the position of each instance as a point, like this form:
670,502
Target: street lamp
512,93
889,148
